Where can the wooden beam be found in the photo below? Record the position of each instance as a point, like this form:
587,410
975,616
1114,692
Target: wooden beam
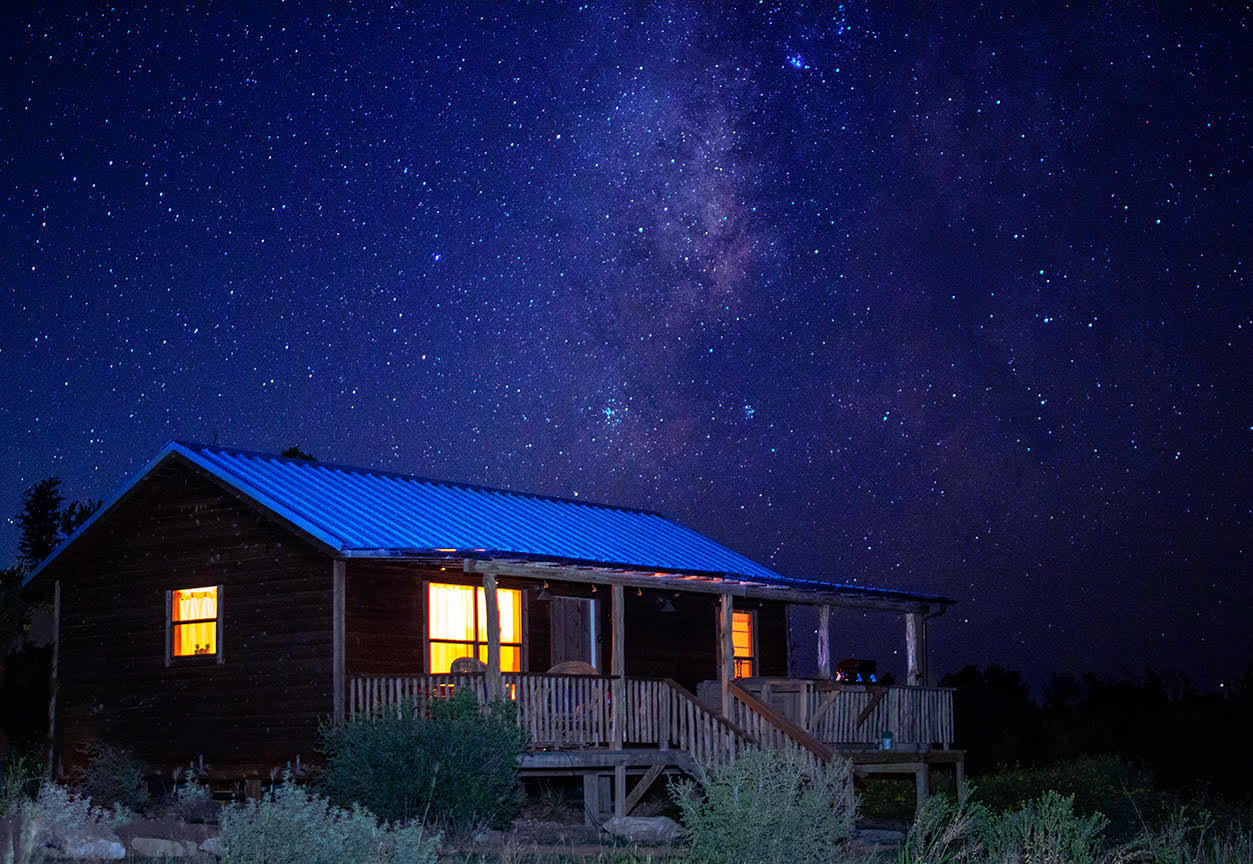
642,787
338,603
49,771
824,642
617,667
876,696
699,584
914,646
494,688
726,652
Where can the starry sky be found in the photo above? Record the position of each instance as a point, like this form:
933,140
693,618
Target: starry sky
916,296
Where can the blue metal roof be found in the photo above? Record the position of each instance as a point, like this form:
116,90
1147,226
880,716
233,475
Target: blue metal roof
373,513
358,512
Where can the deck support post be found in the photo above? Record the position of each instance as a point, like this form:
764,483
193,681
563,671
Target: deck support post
824,642
494,688
618,670
726,652
50,769
915,649
338,592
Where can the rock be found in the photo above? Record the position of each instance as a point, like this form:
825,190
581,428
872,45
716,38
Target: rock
159,847
108,848
213,846
649,830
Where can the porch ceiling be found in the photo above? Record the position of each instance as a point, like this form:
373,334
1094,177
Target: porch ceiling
807,593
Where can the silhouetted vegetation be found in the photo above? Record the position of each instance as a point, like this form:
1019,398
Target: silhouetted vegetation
1189,742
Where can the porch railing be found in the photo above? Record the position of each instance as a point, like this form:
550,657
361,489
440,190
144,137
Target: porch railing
573,711
857,715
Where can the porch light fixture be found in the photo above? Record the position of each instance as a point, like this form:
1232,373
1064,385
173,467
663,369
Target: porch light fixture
543,596
666,606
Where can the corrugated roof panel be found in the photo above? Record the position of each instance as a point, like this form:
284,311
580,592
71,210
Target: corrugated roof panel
362,509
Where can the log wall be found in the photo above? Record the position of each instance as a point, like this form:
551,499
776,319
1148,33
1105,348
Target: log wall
258,707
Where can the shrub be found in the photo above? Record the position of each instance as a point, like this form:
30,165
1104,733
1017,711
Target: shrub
1047,831
946,831
767,806
19,782
293,827
112,776
1185,839
48,822
458,767
1110,785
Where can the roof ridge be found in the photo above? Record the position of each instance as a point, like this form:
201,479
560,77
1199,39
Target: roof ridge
399,475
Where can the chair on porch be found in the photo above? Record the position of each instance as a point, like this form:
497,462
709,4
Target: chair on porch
568,720
473,673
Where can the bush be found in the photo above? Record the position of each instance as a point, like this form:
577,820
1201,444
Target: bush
457,768
1191,839
18,782
767,806
54,819
946,831
112,776
1047,831
293,827
1110,785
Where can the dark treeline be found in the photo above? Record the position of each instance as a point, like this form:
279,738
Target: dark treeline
1190,741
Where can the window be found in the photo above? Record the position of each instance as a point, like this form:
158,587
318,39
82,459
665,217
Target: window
743,627
194,622
457,625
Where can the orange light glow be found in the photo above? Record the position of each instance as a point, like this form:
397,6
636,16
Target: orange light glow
193,622
457,625
742,641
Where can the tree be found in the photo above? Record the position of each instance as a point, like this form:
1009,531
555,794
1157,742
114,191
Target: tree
297,453
46,520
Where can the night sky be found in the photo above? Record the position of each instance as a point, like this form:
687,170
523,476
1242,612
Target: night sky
936,298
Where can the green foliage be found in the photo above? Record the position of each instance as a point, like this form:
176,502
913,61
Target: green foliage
767,806
46,822
192,800
294,827
112,775
1189,839
19,782
947,831
46,520
1099,784
1046,831
458,767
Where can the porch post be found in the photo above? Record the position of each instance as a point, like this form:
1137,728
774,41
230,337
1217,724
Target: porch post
824,642
726,652
915,646
618,670
617,663
338,593
494,688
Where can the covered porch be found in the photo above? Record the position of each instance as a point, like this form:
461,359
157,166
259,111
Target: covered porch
615,725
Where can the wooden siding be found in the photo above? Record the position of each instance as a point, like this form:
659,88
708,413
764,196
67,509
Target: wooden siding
259,707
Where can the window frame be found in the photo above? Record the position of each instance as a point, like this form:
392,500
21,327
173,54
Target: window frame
752,657
217,656
475,644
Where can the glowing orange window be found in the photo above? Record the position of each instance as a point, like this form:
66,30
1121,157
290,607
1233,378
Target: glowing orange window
743,642
194,622
457,625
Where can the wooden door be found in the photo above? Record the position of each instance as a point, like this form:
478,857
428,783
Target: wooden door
573,630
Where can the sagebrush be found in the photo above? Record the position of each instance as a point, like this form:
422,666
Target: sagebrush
457,767
767,806
292,826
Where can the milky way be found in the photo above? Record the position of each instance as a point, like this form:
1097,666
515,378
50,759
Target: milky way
953,301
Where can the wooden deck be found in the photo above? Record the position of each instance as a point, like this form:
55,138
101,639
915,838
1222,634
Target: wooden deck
570,723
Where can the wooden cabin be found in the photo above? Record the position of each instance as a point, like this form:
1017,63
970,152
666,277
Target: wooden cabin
225,602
